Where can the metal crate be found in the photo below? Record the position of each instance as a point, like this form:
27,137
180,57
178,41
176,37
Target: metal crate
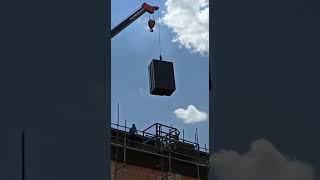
161,78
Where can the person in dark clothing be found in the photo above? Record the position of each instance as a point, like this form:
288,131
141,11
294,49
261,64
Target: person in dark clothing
176,136
132,132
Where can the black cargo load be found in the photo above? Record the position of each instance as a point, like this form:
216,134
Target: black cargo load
161,78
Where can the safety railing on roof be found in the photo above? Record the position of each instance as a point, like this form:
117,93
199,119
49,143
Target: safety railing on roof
182,155
121,138
166,138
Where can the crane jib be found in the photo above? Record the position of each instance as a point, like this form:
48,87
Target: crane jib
137,14
145,8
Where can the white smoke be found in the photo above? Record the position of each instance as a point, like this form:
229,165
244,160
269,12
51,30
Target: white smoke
262,162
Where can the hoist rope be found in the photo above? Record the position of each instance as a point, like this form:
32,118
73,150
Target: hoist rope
159,34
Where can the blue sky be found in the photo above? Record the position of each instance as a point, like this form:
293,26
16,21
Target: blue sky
131,52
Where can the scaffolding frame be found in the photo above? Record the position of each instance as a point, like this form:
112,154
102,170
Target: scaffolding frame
166,136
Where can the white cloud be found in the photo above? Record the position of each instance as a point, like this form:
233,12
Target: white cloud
189,20
191,115
262,162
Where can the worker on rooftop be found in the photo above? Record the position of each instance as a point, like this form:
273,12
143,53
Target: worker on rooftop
132,138
133,130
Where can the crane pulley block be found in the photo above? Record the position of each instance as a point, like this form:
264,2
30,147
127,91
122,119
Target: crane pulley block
149,9
151,24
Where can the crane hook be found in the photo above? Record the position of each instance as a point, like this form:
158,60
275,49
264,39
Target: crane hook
151,24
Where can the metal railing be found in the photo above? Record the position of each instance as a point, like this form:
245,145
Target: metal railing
164,143
161,134
160,146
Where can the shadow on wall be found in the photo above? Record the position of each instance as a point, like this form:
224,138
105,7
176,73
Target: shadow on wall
262,162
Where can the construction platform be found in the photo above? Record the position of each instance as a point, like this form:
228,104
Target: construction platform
158,147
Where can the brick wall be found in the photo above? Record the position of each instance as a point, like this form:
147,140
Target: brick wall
131,172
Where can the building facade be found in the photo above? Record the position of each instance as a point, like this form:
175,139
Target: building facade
156,153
